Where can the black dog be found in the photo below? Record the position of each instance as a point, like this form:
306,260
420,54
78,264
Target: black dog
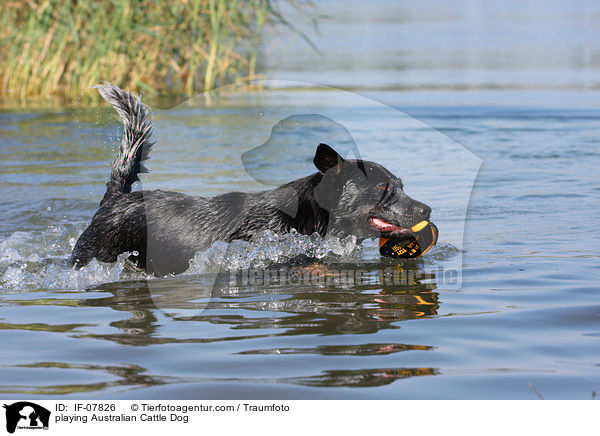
165,229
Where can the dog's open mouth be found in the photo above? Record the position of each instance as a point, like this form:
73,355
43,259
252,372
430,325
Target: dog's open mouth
384,226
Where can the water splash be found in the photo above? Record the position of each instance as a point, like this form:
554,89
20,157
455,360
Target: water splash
38,259
271,249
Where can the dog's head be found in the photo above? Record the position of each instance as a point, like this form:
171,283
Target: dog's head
363,198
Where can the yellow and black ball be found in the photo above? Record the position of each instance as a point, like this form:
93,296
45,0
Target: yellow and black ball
411,243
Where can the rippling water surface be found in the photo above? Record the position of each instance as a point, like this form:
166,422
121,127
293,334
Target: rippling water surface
494,123
522,318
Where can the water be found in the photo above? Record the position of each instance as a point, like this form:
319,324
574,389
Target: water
519,319
526,313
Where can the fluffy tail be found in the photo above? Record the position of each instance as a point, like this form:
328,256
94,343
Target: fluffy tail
135,145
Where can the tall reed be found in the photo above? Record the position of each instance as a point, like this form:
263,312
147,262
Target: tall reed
58,48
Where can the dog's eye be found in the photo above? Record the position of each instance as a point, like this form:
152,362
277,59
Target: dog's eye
382,186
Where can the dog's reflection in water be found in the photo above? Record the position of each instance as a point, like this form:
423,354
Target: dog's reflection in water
250,312
300,309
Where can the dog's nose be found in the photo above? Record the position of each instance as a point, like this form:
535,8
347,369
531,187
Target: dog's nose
424,211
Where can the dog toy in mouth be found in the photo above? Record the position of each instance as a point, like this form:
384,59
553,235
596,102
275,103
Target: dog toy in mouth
409,243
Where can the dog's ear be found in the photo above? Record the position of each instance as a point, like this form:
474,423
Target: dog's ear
326,158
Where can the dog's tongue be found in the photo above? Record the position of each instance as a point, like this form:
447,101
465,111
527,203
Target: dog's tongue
384,226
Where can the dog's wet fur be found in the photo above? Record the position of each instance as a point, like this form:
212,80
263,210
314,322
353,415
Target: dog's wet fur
163,230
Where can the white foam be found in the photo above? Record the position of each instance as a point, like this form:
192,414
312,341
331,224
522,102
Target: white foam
38,260
270,249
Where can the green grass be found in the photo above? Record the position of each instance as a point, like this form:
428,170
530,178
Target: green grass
59,48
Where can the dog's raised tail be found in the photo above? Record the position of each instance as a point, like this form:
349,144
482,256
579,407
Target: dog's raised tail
135,145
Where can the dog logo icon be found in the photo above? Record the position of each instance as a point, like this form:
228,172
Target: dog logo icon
26,415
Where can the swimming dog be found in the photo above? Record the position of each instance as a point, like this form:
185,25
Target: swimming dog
163,230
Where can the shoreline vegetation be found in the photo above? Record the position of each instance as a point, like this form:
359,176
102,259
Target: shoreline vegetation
57,49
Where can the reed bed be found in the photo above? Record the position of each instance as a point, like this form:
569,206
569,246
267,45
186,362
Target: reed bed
58,48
